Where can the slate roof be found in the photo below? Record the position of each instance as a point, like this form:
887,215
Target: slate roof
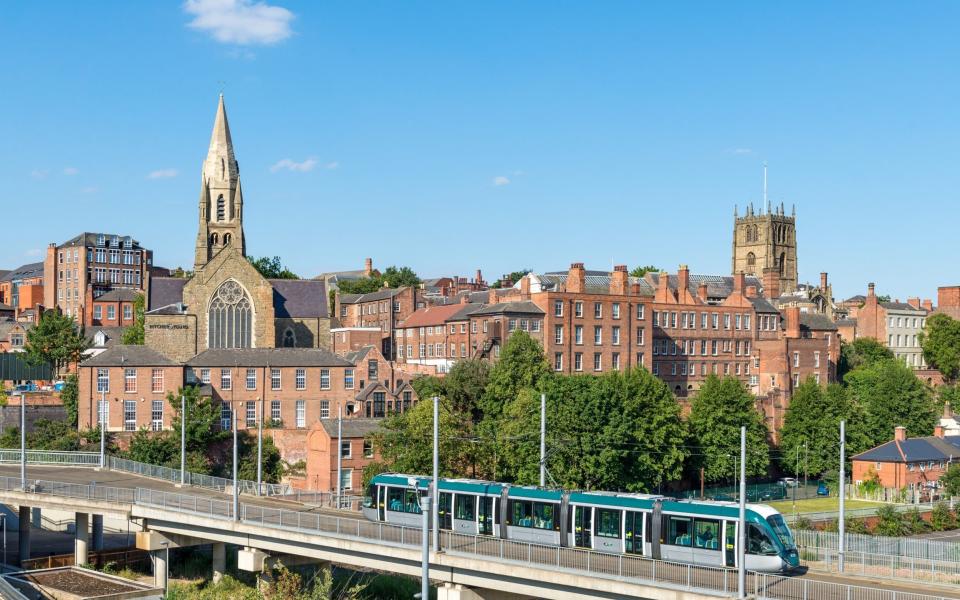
595,282
914,450
27,271
846,322
762,305
718,286
433,315
113,335
118,295
371,297
90,239
901,306
3,273
165,291
465,312
299,298
525,307
817,321
352,428
7,325
356,356
121,355
268,357
858,298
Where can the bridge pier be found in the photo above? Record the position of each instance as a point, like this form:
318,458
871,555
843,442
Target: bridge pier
24,533
97,537
219,561
455,591
81,539
36,517
160,568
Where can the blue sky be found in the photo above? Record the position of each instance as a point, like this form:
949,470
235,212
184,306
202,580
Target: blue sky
451,136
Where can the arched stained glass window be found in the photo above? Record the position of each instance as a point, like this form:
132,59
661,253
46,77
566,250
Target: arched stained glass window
231,317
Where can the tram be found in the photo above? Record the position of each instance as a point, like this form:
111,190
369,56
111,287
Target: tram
698,532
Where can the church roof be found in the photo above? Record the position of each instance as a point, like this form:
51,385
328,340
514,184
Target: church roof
299,298
221,144
268,357
122,355
165,291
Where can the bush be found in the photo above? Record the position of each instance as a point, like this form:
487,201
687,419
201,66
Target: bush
942,518
857,526
803,523
890,522
915,523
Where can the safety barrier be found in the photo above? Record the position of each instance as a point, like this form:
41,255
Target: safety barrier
45,457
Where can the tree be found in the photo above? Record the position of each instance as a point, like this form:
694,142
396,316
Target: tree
951,480
364,285
464,386
135,334
405,440
396,277
718,410
203,419
511,279
53,435
56,340
890,522
810,436
862,352
522,365
641,271
891,395
271,268
633,440
271,462
942,518
69,396
941,345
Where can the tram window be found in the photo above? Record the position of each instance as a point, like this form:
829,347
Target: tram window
370,499
412,504
465,507
395,499
539,515
608,523
758,542
679,531
707,534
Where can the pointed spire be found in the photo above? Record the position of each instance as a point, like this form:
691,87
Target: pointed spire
221,164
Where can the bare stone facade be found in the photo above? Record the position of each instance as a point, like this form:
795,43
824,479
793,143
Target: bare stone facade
766,242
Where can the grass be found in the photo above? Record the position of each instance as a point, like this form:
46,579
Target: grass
815,505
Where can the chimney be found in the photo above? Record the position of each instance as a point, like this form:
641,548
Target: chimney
914,302
739,282
368,267
465,299
576,279
771,283
683,280
899,433
928,305
525,286
702,291
751,291
938,431
823,281
793,322
634,289
479,277
618,280
870,290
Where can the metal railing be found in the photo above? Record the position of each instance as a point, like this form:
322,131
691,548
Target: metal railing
888,566
45,457
200,505
878,544
102,493
858,513
767,586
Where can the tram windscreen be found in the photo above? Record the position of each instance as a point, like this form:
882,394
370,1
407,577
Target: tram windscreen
783,532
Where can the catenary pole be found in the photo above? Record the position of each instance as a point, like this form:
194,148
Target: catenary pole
742,527
543,440
260,450
23,442
436,476
236,488
841,522
183,440
103,432
339,457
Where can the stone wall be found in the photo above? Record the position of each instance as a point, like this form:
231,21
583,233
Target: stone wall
10,415
174,336
308,332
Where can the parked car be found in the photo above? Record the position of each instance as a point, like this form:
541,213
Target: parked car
788,482
823,489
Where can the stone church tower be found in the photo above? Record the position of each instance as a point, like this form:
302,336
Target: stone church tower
765,245
221,200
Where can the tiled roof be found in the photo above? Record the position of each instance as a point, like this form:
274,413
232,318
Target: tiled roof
8,325
113,335
465,312
718,286
817,321
857,298
165,291
914,450
524,307
299,298
595,282
901,306
433,315
90,239
121,355
352,428
371,297
357,355
3,273
118,295
268,357
27,271
761,305
846,322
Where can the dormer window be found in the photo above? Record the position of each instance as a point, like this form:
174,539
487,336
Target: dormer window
114,242
101,240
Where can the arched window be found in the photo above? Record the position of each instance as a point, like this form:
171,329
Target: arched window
747,234
230,321
755,235
676,390
214,239
783,264
221,209
289,338
751,259
226,239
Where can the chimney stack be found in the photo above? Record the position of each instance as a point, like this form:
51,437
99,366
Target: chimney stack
899,433
793,322
479,277
751,291
928,305
702,290
368,267
771,283
938,431
683,280
525,286
619,280
739,282
823,281
914,302
576,279
871,290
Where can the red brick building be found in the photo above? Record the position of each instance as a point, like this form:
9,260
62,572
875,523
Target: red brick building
112,309
912,463
357,450
384,309
437,336
22,290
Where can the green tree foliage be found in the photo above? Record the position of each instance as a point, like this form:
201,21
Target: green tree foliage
717,412
512,278
272,464
46,435
397,277
941,345
55,340
813,418
641,271
427,386
272,268
951,480
464,386
405,440
891,395
890,522
3,396
522,366
393,277
862,352
364,285
134,334
632,440
942,518
69,396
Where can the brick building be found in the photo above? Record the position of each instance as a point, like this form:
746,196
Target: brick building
357,450
912,463
90,265
13,335
385,309
22,290
897,325
437,336
112,309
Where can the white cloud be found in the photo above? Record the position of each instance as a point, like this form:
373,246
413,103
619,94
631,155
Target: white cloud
289,165
240,22
71,171
500,180
162,174
335,164
39,173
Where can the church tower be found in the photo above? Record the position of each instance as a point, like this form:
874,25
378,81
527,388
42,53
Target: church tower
221,200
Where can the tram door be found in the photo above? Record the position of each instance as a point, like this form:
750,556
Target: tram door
381,501
582,526
485,516
445,510
730,546
633,534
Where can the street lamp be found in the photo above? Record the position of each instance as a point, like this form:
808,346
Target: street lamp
183,440
425,538
236,490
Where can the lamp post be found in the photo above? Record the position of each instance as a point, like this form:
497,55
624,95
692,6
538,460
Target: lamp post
236,489
436,477
425,546
841,525
23,442
183,440
741,547
543,440
339,457
260,449
103,432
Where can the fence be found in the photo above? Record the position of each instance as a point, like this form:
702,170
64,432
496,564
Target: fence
44,457
889,566
767,586
858,513
878,544
209,482
120,558
101,493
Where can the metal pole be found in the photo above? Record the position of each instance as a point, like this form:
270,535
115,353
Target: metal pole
260,450
23,442
741,547
103,433
236,488
183,440
436,477
543,440
841,524
339,456
425,556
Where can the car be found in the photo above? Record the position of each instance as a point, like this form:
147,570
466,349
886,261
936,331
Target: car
823,489
788,482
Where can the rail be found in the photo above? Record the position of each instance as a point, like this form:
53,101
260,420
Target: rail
888,566
219,484
878,544
712,580
858,513
45,457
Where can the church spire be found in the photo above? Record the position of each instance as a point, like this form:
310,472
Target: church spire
221,164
